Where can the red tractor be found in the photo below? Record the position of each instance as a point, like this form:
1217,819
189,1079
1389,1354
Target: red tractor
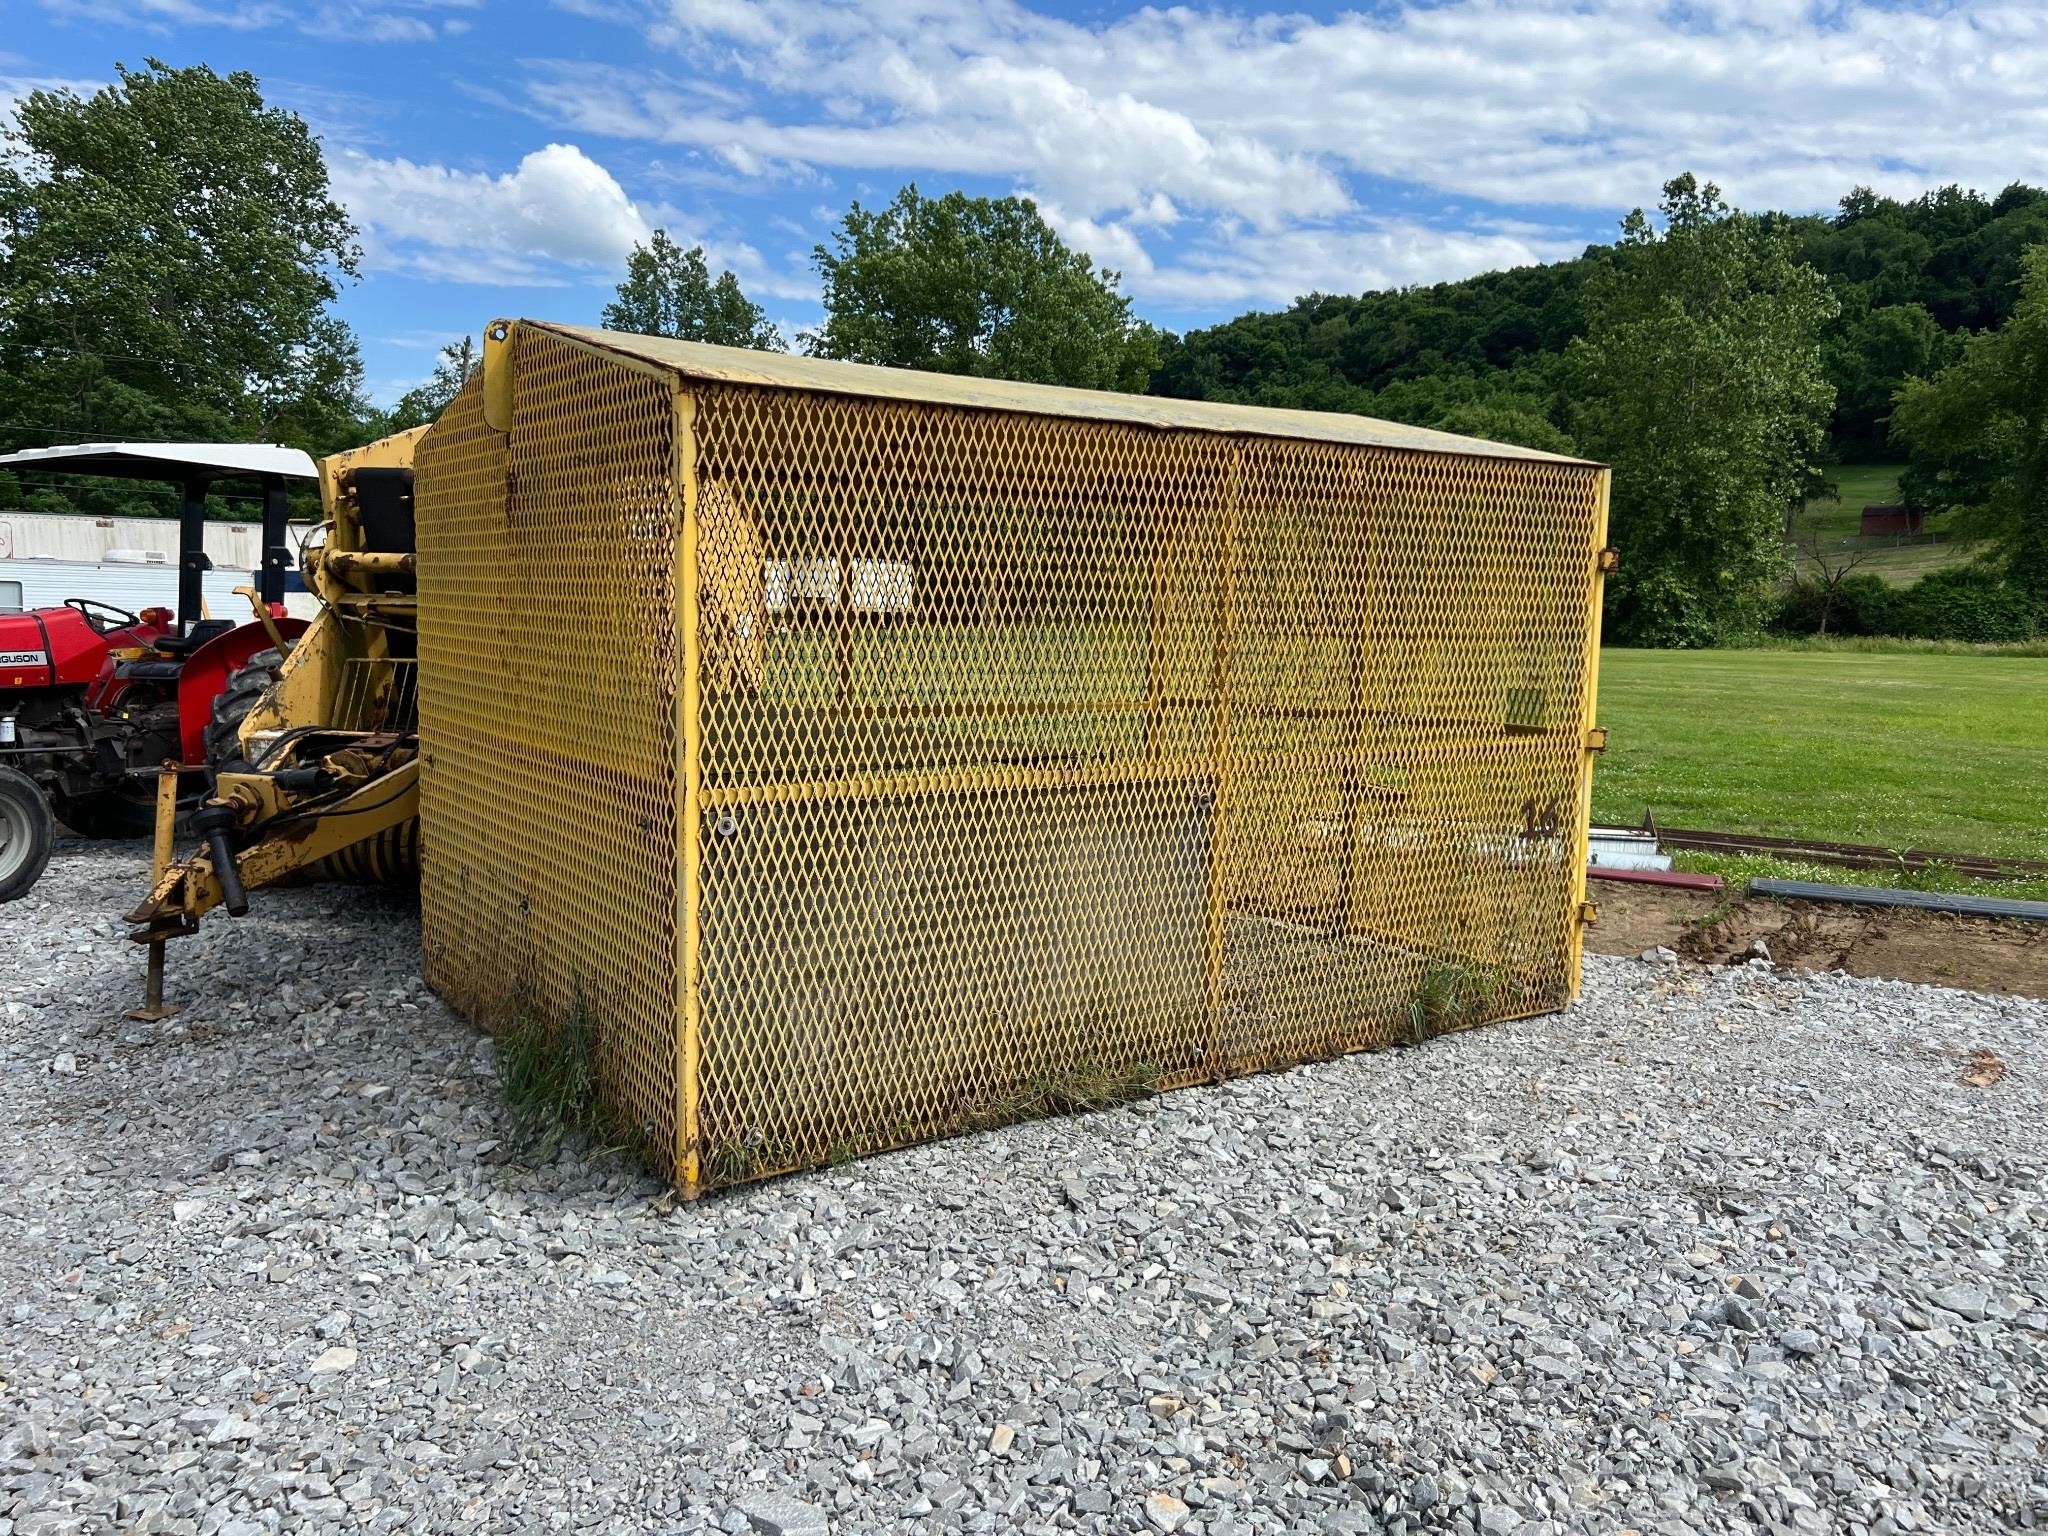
94,699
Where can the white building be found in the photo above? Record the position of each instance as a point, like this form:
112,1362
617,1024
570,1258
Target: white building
128,562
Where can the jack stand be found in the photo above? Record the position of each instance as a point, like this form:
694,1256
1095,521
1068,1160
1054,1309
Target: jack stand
153,1008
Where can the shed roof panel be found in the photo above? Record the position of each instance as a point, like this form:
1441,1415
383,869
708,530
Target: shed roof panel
781,370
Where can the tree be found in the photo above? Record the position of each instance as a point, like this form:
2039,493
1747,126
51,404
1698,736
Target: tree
1869,357
1978,435
1497,322
320,404
1821,582
976,285
1502,407
1699,379
669,291
168,247
1908,275
418,406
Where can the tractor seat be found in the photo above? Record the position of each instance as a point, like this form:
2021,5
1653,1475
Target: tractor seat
203,631
149,671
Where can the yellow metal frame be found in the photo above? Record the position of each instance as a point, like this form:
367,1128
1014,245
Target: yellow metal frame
298,843
690,802
1593,735
355,615
876,759
340,705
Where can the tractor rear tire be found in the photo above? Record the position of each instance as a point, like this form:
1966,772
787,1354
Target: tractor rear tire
246,685
27,831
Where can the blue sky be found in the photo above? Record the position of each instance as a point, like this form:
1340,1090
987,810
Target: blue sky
501,156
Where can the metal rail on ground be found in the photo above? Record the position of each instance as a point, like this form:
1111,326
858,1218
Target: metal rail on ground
1924,901
1848,855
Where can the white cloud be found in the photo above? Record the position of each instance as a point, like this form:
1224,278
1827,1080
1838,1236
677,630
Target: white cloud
1215,154
422,340
162,15
557,218
1254,140
355,21
985,117
1231,266
1586,102
14,87
559,209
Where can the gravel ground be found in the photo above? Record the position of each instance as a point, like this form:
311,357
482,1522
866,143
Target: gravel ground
1720,1250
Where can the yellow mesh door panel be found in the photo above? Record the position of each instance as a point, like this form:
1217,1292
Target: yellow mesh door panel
957,843
1406,738
548,665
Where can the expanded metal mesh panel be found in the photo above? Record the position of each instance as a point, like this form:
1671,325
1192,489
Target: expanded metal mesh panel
547,703
1068,758
1026,761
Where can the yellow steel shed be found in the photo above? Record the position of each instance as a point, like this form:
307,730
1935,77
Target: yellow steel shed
866,756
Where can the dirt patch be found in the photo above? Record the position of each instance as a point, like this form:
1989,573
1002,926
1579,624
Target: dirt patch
1982,954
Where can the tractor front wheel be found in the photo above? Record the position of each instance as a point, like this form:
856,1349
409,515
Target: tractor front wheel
246,685
27,829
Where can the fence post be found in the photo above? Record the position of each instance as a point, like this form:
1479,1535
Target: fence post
1589,703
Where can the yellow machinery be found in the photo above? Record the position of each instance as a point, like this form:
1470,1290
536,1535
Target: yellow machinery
863,756
327,783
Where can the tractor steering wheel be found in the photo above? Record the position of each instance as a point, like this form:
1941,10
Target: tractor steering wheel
86,605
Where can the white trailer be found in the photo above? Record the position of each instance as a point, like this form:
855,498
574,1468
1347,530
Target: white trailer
76,536
133,585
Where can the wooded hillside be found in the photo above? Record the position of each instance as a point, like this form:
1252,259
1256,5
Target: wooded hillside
1481,355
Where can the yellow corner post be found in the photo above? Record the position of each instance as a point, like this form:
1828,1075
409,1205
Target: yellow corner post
689,798
497,367
1591,744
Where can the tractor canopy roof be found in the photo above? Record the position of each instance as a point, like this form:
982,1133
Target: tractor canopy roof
169,461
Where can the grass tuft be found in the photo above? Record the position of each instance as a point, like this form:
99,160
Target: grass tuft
1451,996
1072,1090
548,1070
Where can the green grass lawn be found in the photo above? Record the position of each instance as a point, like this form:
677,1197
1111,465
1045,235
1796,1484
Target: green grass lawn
1900,749
1836,523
